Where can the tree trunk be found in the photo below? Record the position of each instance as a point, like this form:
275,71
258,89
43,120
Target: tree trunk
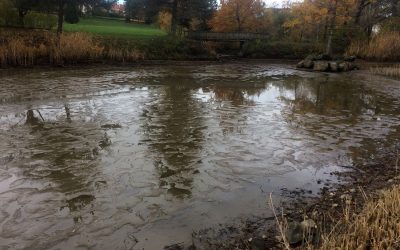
395,8
61,4
329,43
331,29
301,34
360,7
174,21
369,30
239,22
21,15
326,28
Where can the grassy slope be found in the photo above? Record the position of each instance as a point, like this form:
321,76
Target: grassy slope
114,27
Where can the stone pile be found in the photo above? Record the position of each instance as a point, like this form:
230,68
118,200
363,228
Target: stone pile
325,63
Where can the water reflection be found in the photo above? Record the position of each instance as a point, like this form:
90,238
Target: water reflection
187,142
329,97
235,100
31,119
237,95
174,132
65,152
77,204
344,112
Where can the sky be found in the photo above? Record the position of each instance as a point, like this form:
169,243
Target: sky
269,3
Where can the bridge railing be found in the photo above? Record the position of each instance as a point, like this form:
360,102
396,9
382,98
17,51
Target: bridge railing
231,36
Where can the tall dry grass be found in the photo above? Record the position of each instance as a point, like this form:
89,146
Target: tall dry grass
383,47
124,55
16,52
376,227
393,71
27,48
74,47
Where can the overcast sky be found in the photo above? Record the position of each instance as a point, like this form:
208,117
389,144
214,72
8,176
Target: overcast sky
269,3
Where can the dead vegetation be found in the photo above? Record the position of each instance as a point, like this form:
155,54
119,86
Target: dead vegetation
376,226
393,71
383,47
28,48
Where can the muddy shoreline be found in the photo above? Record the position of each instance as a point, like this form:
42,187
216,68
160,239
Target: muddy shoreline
177,62
356,185
202,61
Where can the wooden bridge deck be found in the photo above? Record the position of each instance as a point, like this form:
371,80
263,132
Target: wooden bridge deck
233,36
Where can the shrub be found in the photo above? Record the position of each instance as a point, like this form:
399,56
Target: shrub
343,37
166,47
8,15
156,48
164,20
289,50
40,20
391,25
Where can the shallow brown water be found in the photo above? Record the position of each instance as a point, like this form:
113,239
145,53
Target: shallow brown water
120,158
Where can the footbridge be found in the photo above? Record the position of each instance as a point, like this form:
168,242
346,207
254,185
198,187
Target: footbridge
225,37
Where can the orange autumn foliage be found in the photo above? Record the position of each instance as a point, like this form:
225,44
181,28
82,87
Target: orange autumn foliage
310,18
239,16
164,20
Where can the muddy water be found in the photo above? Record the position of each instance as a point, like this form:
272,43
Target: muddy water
120,158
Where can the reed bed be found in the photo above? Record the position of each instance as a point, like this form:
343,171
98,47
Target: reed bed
32,47
74,47
392,71
376,227
383,47
124,55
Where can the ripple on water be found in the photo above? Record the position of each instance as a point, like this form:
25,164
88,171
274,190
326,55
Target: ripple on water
107,158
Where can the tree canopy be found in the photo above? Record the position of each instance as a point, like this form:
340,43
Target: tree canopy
183,12
239,15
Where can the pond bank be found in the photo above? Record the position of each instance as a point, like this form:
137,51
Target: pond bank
28,48
25,48
342,203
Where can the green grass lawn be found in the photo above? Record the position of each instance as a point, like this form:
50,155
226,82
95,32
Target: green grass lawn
112,27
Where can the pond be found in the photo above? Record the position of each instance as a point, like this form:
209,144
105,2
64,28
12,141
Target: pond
140,157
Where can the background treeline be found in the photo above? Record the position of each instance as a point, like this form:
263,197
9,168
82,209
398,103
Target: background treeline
173,15
155,29
366,28
47,14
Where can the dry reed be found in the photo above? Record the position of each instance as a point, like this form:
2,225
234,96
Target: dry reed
376,227
27,48
383,47
393,71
